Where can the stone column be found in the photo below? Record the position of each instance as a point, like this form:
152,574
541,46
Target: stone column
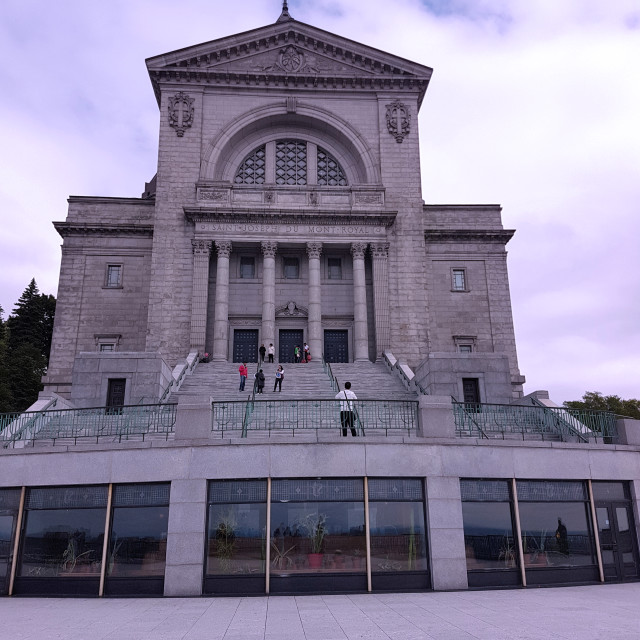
314,249
221,317
199,293
361,341
269,292
380,255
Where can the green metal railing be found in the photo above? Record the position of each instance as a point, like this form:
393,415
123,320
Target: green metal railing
332,379
545,423
96,423
372,417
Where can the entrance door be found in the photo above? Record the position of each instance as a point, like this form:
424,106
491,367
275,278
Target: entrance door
289,338
617,541
471,392
245,345
336,345
115,395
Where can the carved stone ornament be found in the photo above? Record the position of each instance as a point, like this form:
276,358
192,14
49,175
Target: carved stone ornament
358,249
368,198
293,60
380,250
314,249
313,199
269,248
269,197
181,112
398,120
216,196
201,247
223,247
291,309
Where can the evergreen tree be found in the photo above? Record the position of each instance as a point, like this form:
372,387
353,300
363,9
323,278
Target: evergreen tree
6,399
595,401
28,345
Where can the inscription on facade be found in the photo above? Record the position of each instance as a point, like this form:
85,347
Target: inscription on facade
302,230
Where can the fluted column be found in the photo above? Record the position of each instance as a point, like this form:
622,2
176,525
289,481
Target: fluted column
199,293
314,249
269,292
361,342
380,255
221,317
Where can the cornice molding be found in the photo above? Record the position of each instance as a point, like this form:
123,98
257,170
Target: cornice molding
67,229
501,236
369,219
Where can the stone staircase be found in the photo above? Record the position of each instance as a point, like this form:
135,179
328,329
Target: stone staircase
371,381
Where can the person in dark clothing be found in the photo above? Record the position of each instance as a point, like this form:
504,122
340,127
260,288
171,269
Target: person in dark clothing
263,352
260,381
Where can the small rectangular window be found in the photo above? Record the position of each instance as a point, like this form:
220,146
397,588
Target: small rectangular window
291,268
334,268
107,346
114,276
247,267
465,348
459,279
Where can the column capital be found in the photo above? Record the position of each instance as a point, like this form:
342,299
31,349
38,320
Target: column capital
223,247
314,249
358,249
269,248
201,247
380,250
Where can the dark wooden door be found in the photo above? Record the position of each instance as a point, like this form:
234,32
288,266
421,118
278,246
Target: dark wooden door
336,345
245,345
115,394
471,391
288,339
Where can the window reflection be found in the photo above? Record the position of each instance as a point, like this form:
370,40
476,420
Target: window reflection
556,534
488,535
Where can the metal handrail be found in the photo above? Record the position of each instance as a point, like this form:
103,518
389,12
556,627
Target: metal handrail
496,420
335,385
378,417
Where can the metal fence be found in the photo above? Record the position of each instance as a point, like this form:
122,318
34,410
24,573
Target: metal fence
533,422
371,417
113,424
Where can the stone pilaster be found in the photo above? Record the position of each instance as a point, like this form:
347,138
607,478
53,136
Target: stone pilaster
199,293
221,317
380,255
361,346
314,249
269,249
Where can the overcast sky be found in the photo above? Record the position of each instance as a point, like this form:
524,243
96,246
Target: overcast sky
533,104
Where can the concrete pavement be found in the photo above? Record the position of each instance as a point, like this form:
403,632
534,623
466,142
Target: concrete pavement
568,613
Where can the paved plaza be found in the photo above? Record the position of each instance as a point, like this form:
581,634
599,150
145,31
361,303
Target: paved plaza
569,613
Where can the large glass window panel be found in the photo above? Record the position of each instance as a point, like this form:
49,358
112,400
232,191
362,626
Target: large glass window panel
60,542
556,534
291,162
317,537
138,544
398,541
252,169
488,535
236,539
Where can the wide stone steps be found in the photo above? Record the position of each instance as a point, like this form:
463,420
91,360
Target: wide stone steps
371,381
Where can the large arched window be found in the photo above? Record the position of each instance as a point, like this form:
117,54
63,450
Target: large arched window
290,163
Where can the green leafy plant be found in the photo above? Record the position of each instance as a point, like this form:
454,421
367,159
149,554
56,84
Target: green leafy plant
314,527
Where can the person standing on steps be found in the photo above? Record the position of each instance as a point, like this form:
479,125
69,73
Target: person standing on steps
260,381
279,378
305,353
347,409
296,354
244,372
262,350
270,352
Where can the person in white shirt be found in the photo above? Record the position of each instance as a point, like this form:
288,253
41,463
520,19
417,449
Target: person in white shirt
347,413
270,352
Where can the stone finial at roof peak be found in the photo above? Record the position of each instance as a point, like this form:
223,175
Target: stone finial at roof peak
284,16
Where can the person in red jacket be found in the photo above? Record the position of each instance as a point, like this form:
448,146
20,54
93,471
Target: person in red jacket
244,372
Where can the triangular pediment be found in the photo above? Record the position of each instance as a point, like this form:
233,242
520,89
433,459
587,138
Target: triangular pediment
288,49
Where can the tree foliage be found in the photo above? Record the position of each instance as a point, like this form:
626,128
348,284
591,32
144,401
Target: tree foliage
25,344
595,401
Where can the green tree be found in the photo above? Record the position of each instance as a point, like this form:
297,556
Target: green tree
6,399
595,401
29,329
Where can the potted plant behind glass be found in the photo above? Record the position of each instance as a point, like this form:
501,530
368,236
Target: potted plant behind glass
313,525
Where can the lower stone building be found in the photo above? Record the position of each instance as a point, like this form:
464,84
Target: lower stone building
286,226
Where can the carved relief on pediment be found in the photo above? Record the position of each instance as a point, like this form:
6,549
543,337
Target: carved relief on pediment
291,309
289,60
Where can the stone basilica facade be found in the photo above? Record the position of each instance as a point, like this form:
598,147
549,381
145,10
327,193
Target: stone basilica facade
287,208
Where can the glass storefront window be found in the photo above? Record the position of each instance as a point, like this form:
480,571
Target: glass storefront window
64,532
138,541
236,534
488,525
317,526
555,524
397,525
